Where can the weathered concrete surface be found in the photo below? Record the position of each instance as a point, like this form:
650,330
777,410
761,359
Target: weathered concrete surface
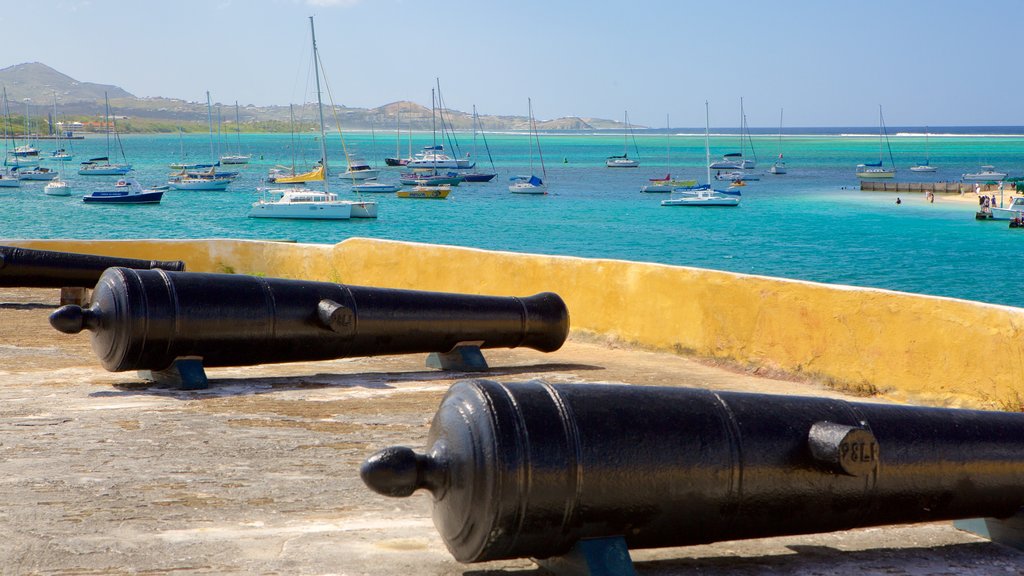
100,474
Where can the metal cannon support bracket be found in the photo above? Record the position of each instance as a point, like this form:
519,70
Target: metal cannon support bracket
577,474
464,357
1005,531
182,374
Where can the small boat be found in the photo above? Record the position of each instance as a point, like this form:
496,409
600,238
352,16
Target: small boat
303,203
209,180
527,185
623,160
875,170
698,196
779,166
9,179
284,175
57,187
393,162
736,176
426,192
61,155
102,167
435,157
531,184
926,165
126,191
37,173
430,179
478,176
237,158
986,173
300,203
359,172
666,184
25,151
375,187
1014,210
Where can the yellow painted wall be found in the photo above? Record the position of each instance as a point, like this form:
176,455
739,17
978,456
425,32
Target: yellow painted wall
910,347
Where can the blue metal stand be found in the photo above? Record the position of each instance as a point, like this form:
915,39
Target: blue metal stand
592,557
1008,532
183,374
462,358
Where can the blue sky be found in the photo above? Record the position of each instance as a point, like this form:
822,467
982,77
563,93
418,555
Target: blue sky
935,62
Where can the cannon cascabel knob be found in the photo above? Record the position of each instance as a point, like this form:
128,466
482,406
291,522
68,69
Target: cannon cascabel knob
73,319
395,471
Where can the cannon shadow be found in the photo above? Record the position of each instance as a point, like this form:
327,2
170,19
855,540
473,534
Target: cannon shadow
240,386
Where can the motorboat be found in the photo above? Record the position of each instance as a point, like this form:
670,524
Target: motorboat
57,187
300,203
235,159
25,151
922,168
986,173
426,192
527,185
126,191
359,172
1014,210
730,161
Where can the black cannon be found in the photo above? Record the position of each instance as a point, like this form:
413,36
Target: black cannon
535,470
28,268
147,319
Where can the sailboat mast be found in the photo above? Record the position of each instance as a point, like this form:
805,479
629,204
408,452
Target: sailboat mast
529,107
106,110
320,106
707,140
238,129
209,124
7,121
536,137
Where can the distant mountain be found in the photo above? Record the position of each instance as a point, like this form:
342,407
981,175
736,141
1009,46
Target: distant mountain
39,82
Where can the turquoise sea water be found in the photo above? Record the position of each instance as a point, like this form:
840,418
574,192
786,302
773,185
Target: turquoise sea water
811,224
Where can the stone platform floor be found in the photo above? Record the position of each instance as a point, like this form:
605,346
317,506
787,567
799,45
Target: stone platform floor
102,474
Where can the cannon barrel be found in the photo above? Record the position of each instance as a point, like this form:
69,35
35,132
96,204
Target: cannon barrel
145,319
529,469
28,268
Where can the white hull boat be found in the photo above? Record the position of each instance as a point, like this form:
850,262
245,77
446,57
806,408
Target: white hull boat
987,173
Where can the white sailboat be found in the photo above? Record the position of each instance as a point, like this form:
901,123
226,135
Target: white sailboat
237,157
7,178
779,166
876,170
102,166
734,160
624,161
531,184
208,178
667,184
303,203
926,165
703,195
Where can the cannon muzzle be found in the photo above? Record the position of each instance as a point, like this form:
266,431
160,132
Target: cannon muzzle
28,268
146,319
530,469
